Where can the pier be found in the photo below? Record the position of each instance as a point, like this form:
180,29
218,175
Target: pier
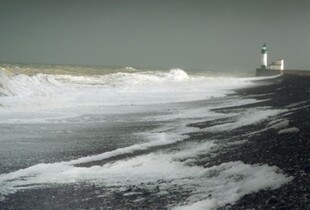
270,72
276,67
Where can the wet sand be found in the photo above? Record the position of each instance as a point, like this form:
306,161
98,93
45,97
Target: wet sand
24,145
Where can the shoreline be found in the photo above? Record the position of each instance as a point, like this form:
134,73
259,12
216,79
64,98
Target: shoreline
252,144
289,152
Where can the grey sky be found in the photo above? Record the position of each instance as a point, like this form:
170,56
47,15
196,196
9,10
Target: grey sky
190,34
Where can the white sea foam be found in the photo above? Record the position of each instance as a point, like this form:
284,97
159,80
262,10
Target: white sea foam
230,181
203,113
289,130
46,95
280,125
113,89
247,117
226,183
142,168
130,68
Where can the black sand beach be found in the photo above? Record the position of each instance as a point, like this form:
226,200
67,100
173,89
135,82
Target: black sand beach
289,152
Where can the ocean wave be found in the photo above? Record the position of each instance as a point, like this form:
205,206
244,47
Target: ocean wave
119,88
5,86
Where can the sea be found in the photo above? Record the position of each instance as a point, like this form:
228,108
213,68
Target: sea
76,137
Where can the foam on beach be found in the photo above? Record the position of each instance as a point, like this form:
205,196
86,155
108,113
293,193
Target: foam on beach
246,117
280,125
226,183
288,130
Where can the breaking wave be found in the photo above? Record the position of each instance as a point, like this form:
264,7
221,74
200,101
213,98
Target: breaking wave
122,88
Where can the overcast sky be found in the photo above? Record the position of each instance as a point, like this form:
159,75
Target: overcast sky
190,34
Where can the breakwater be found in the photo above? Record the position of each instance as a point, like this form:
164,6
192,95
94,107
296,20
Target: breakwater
270,72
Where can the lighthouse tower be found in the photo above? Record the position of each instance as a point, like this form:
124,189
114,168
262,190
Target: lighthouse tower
264,57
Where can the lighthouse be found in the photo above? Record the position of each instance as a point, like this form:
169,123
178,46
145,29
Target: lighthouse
264,57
